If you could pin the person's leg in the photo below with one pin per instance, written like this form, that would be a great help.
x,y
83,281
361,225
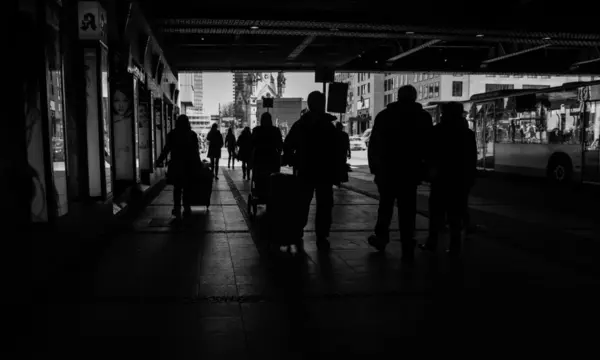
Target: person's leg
x,y
384,217
304,197
407,213
244,170
456,210
436,217
177,200
216,168
324,193
187,209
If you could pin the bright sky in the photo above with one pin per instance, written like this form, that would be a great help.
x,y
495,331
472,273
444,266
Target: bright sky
x,y
218,88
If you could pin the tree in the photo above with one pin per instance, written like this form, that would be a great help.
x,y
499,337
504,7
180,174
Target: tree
x,y
228,109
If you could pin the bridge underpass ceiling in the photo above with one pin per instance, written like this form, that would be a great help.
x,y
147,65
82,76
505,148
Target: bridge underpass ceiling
x,y
510,36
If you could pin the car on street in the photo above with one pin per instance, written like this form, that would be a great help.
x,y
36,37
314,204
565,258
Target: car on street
x,y
366,136
356,143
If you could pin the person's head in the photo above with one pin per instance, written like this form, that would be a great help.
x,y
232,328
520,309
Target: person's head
x,y
213,127
266,120
407,93
230,131
182,123
339,126
121,103
316,102
452,112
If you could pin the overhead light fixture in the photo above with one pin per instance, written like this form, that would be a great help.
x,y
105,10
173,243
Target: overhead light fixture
x,y
410,33
546,38
479,35
253,27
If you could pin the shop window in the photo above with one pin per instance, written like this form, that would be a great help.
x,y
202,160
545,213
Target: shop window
x,y
436,90
431,90
368,88
497,87
457,88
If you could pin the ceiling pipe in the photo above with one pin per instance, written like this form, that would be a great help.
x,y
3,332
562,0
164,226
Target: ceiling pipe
x,y
300,48
524,51
393,59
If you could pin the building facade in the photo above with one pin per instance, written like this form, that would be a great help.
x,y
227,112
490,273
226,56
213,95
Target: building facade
x,y
433,87
198,91
186,91
365,100
248,88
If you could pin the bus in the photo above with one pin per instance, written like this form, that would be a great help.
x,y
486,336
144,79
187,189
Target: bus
x,y
550,132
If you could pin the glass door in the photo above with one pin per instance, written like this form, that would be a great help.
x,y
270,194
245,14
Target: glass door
x,y
484,132
591,149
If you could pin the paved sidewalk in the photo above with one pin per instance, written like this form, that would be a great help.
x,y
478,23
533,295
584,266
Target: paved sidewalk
x,y
557,235
207,290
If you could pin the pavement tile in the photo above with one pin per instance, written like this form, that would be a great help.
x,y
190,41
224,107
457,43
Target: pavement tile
x,y
204,291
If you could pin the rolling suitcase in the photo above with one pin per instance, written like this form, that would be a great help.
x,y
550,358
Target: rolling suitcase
x,y
201,188
282,210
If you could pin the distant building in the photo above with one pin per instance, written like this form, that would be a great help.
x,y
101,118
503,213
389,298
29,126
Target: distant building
x,y
365,100
199,122
199,92
186,91
248,88
285,112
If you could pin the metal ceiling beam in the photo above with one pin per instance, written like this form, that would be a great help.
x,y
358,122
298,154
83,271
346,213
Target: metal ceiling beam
x,y
521,52
378,35
393,59
369,27
300,48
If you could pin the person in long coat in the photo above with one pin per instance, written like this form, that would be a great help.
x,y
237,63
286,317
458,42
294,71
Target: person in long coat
x,y
182,144
215,143
244,144
230,144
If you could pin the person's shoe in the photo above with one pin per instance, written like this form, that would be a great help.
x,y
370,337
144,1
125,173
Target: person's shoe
x,y
323,244
377,243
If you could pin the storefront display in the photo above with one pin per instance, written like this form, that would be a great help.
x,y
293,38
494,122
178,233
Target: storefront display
x,y
92,32
56,107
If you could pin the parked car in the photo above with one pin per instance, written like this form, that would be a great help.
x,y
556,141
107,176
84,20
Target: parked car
x,y
356,143
366,136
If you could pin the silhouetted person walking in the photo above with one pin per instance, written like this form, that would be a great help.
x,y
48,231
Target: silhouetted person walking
x,y
182,144
230,144
266,145
312,143
244,143
215,143
399,166
453,166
